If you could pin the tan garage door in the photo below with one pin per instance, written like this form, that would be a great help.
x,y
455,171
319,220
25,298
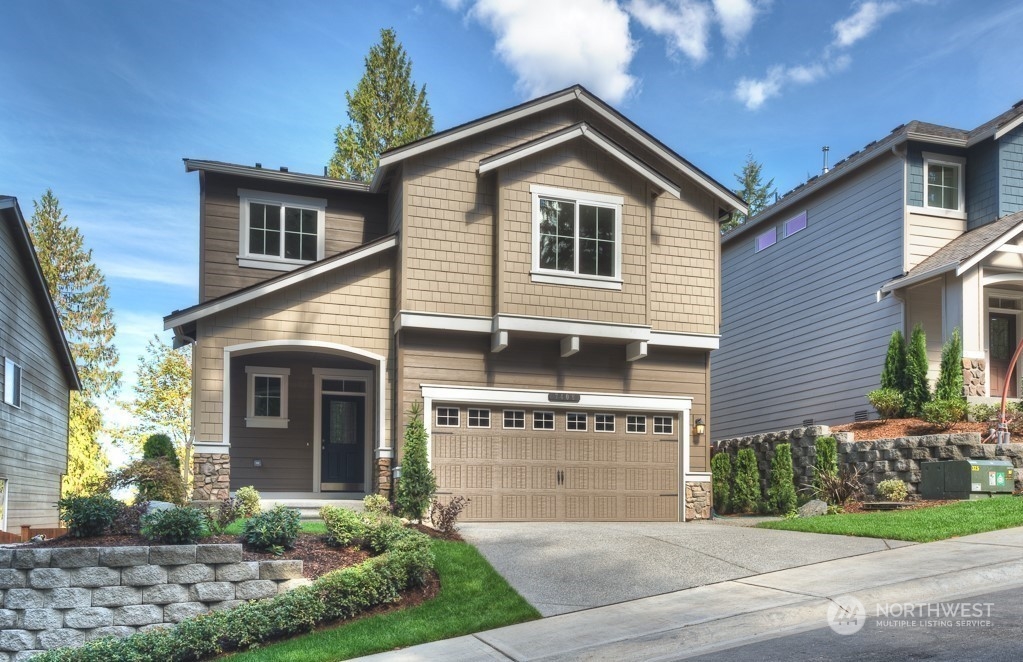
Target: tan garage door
x,y
592,465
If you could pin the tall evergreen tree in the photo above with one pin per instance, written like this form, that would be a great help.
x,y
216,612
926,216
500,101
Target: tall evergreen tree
x,y
385,111
893,375
755,193
81,296
417,484
916,390
950,376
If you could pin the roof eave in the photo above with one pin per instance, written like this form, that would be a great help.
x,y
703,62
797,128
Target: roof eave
x,y
192,165
906,281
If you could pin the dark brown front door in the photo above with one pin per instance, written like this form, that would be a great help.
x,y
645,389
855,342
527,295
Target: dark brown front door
x,y
1002,342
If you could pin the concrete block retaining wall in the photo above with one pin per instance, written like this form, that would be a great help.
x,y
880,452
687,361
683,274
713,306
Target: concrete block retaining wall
x,y
877,460
65,596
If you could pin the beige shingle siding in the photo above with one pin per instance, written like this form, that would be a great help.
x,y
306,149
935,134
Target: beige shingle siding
x,y
33,439
352,219
349,306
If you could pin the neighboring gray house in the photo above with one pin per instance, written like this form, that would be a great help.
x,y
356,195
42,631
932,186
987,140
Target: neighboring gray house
x,y
921,226
36,376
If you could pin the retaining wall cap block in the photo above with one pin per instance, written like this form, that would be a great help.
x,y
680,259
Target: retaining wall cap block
x,y
257,589
41,619
156,626
190,574
17,640
10,578
164,594
95,577
8,619
31,558
143,575
5,557
138,615
116,596
226,604
178,612
89,617
74,557
116,557
218,553
60,638
844,436
172,554
292,584
238,572
288,569
25,598
215,591
884,444
119,631
49,578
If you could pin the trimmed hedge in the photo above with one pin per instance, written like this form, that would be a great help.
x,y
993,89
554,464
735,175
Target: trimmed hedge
x,y
335,596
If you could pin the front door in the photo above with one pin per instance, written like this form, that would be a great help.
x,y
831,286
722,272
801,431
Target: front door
x,y
1002,342
344,443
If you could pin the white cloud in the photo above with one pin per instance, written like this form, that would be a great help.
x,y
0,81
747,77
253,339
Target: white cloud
x,y
685,24
540,42
865,20
150,271
736,18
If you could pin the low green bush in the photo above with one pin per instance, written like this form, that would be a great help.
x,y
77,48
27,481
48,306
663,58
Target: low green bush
x,y
888,402
384,532
781,494
721,481
274,530
88,516
344,526
377,503
175,526
892,490
746,495
248,501
983,413
944,413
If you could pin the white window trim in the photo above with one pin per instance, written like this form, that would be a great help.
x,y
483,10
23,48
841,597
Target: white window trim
x,y
554,424
785,234
468,418
640,416
253,421
504,420
773,231
458,418
671,422
586,421
945,160
613,422
258,261
12,369
556,277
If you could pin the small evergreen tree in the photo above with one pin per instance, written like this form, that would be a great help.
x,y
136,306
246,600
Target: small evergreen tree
x,y
781,494
160,445
754,192
894,373
825,464
916,390
417,484
746,486
721,477
950,377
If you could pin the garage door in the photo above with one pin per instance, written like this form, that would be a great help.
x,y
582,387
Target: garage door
x,y
525,464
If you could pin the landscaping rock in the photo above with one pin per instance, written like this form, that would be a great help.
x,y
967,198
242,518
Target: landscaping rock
x,y
156,506
813,508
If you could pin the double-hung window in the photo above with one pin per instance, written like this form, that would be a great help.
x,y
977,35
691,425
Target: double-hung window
x,y
577,238
943,183
266,397
280,231
12,383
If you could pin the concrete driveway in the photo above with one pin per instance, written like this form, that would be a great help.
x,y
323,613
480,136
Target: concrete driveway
x,y
564,567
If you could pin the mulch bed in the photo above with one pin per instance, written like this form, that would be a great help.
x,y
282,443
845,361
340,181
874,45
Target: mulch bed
x,y
908,427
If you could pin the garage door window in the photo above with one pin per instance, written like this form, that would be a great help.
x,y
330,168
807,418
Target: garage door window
x,y
514,419
575,421
447,417
543,420
604,422
479,418
664,425
635,424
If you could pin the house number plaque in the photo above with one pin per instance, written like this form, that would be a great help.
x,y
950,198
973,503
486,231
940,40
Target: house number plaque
x,y
563,397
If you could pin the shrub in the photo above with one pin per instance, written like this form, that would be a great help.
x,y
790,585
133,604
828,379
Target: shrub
x,y
175,526
950,376
825,464
836,488
444,516
384,531
892,490
417,484
781,494
128,522
160,445
248,501
916,391
156,480
220,516
746,485
88,516
944,413
376,503
983,413
274,530
887,401
893,375
344,527
721,477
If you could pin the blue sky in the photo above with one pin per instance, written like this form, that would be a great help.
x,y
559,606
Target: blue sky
x,y
100,100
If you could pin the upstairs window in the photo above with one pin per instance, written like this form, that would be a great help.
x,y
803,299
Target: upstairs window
x,y
943,182
12,383
576,238
794,225
766,239
280,231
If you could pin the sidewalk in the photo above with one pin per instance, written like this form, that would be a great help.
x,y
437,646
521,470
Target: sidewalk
x,y
716,616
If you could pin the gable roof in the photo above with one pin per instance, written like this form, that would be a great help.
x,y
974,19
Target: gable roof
x,y
180,318
11,213
963,252
914,130
282,175
576,93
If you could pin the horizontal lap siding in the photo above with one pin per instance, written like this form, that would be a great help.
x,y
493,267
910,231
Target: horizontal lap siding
x,y
33,439
929,233
802,333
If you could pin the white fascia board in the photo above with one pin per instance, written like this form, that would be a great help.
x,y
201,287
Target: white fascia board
x,y
937,140
989,249
275,175
698,477
208,447
900,283
688,340
565,327
442,322
1006,128
230,302
539,399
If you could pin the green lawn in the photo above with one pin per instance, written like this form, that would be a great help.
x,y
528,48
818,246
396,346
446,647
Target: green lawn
x,y
923,525
473,597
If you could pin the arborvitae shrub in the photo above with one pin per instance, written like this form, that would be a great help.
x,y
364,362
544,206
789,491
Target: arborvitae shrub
x,y
950,376
417,484
825,464
781,495
916,390
721,472
894,373
746,486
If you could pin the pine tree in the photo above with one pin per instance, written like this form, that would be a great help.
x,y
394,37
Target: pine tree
x,y
950,376
385,111
417,484
781,495
81,296
754,192
916,389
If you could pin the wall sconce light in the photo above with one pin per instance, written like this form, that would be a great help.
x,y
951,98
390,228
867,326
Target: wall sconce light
x,y
698,430
257,463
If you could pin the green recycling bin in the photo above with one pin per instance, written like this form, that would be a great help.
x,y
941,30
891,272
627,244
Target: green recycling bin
x,y
966,479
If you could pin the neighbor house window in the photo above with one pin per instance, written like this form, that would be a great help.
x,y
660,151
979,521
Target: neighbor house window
x,y
664,425
479,418
267,397
514,419
604,422
12,383
543,420
794,225
576,237
766,239
575,421
635,423
447,417
943,182
280,231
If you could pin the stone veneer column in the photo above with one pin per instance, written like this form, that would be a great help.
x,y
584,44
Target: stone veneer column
x,y
697,501
212,476
383,477
973,378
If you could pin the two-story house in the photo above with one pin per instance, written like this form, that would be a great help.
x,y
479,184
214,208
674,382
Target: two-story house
x,y
36,378
919,227
542,281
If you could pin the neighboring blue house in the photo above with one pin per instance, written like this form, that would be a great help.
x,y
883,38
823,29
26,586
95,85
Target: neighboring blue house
x,y
922,226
